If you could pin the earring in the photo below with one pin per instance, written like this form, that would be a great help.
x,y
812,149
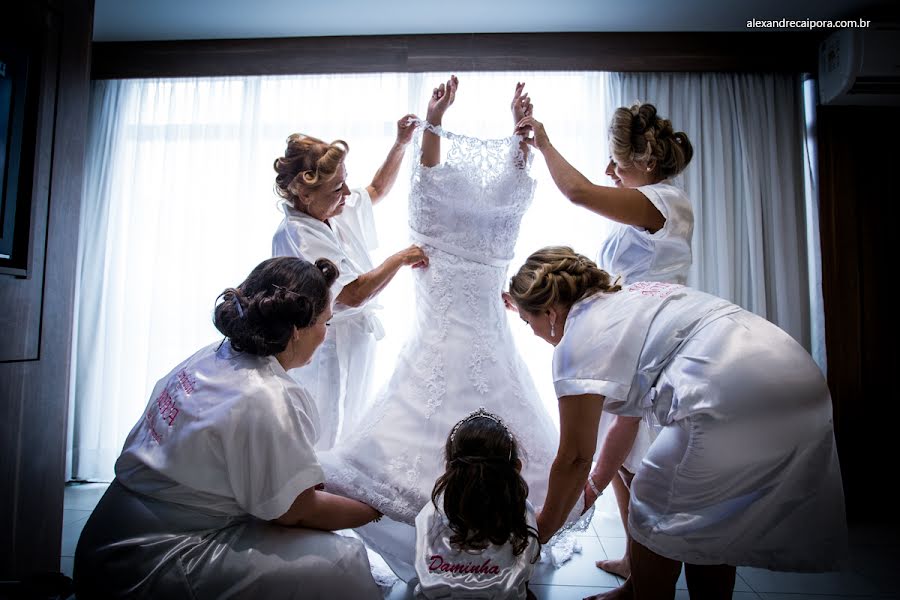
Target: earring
x,y
552,329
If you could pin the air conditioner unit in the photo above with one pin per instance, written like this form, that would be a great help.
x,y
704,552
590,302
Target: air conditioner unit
x,y
860,67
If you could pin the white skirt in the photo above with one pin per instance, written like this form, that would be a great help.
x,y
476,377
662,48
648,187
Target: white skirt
x,y
746,473
136,547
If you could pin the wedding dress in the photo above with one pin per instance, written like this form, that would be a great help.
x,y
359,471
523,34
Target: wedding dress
x,y
465,213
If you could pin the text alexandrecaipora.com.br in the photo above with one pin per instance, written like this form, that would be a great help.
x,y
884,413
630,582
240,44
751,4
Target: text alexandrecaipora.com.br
x,y
807,24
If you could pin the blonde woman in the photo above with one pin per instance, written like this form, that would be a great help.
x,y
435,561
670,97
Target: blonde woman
x,y
323,218
651,240
744,469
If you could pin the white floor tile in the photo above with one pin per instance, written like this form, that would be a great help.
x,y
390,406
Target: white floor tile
x,y
565,592
83,496
844,583
579,571
401,591
878,564
607,522
810,597
683,595
70,534
66,565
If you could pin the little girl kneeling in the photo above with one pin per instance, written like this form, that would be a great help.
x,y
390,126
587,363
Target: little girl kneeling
x,y
478,533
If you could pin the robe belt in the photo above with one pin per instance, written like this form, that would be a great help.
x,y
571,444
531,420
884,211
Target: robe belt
x,y
365,317
420,238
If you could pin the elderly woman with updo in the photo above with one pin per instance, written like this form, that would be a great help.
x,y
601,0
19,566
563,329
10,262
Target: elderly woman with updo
x,y
323,217
651,240
218,491
743,470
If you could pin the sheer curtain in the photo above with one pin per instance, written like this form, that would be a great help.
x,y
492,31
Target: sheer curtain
x,y
746,183
179,205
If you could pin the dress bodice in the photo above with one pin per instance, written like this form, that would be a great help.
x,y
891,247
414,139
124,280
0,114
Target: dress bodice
x,y
471,204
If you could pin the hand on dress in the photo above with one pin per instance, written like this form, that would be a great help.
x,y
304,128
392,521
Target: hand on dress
x,y
413,256
509,303
441,99
589,497
543,536
539,139
406,126
521,104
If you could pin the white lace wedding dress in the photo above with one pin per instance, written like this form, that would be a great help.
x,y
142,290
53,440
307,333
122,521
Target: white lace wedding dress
x,y
465,214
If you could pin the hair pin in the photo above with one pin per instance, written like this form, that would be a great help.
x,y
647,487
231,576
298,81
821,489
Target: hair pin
x,y
286,291
237,304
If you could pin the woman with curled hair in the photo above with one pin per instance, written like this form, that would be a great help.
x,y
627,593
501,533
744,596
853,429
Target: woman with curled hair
x,y
652,241
218,491
324,218
744,469
652,238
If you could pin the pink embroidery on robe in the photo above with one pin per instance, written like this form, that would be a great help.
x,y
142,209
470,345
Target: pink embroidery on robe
x,y
437,563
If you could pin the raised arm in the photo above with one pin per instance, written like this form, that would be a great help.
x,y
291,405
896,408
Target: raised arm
x,y
579,418
441,99
521,107
318,509
386,174
624,205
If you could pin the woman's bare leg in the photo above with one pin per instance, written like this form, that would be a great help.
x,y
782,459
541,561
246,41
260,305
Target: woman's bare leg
x,y
622,488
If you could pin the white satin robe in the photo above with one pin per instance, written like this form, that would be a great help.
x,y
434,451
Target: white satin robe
x,y
340,374
634,254
224,445
445,572
744,470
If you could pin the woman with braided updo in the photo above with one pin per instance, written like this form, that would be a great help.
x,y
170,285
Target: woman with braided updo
x,y
218,490
652,240
744,469
324,218
477,537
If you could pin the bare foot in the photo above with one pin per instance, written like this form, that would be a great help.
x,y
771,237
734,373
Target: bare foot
x,y
623,592
618,567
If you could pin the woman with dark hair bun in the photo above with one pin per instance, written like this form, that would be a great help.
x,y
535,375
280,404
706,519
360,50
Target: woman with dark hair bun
x,y
218,490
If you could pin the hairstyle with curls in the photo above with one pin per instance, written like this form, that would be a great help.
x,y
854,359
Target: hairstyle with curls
x,y
307,163
638,136
557,275
484,493
281,293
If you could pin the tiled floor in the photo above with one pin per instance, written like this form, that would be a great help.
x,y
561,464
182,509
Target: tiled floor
x,y
874,570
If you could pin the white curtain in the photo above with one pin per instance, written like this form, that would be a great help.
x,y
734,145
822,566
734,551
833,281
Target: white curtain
x,y
179,205
746,182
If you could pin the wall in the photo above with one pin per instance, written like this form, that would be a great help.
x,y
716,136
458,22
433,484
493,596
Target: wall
x,y
36,321
858,218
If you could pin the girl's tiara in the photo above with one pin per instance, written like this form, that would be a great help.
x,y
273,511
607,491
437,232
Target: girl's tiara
x,y
481,413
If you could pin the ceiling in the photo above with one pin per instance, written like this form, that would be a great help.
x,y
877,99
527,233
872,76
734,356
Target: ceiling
x,y
133,20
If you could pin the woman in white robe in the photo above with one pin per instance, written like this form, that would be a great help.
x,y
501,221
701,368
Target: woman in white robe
x,y
323,218
651,239
218,489
744,469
